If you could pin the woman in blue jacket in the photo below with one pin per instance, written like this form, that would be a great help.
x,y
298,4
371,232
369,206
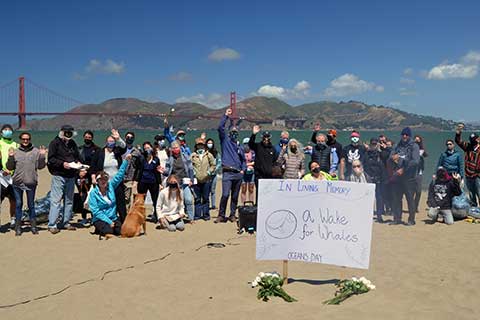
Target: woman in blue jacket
x,y
452,160
102,202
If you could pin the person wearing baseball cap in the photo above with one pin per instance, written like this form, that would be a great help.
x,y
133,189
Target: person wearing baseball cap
x,y
62,152
375,169
472,163
180,137
408,152
333,143
354,151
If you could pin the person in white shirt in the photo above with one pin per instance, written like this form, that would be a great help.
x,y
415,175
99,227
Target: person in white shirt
x,y
170,206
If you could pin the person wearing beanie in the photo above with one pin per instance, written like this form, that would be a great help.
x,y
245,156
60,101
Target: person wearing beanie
x,y
407,153
354,151
6,144
471,148
62,152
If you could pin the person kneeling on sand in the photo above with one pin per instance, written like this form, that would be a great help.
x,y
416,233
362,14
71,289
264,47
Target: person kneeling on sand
x,y
170,206
440,194
102,202
316,173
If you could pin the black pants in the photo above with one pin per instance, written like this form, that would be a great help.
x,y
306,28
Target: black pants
x,y
418,191
102,228
120,199
154,189
404,186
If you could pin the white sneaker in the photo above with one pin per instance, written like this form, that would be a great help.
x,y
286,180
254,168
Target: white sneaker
x,y
12,223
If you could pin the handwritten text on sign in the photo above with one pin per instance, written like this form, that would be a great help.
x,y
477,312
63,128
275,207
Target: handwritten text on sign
x,y
315,221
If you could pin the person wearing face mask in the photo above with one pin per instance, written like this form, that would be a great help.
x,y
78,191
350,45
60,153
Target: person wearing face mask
x,y
203,167
180,165
247,191
218,170
7,143
292,159
421,168
284,138
180,137
62,152
354,151
161,149
451,160
375,168
26,160
316,174
471,149
331,141
103,201
440,194
128,180
148,176
325,156
109,160
233,168
407,154
88,149
265,156
171,207
358,174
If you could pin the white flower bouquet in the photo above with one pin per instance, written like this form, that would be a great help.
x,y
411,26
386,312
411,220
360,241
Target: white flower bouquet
x,y
270,285
349,287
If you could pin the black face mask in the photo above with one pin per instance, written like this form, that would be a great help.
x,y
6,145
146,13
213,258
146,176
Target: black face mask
x,y
293,149
88,142
129,141
172,185
316,170
473,141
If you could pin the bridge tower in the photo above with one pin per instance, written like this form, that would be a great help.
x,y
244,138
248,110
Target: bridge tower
x,y
22,117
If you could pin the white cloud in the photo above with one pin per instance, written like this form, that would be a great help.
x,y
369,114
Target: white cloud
x,y
407,92
350,84
181,76
408,71
214,100
223,54
407,81
451,71
467,68
98,67
395,104
299,91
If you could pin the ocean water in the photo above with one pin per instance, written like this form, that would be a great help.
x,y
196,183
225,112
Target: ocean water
x,y
434,141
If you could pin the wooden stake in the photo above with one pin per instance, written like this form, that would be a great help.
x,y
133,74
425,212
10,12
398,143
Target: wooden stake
x,y
285,272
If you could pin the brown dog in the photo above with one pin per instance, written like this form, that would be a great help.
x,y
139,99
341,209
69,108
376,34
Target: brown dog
x,y
135,219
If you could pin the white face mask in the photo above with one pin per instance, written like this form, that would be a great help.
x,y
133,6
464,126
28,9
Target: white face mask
x,y
355,139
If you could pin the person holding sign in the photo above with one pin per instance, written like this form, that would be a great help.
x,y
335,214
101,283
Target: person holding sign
x,y
316,173
233,168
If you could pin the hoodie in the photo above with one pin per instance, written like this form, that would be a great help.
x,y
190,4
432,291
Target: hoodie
x,y
410,154
441,192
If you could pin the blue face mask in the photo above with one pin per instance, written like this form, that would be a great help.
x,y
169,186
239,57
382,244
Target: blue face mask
x,y
234,135
110,145
284,141
7,133
148,151
200,151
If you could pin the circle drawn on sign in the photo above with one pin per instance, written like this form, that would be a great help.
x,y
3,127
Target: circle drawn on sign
x,y
281,224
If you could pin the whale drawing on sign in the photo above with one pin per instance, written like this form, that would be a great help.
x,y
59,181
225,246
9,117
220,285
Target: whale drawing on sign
x,y
281,224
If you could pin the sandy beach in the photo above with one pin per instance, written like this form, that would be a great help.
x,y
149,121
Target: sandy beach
x,y
421,272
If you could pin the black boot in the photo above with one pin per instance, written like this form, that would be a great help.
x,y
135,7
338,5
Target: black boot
x,y
33,224
18,228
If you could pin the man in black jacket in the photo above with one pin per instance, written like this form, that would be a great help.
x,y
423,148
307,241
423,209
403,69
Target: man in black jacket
x,y
265,156
62,155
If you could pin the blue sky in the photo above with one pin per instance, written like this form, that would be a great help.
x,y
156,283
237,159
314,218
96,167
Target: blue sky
x,y
422,57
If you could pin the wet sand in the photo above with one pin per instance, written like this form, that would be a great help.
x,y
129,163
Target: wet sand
x,y
421,272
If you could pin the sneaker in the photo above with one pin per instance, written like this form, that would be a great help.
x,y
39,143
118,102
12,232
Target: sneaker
x,y
84,222
220,219
53,230
395,222
411,223
69,227
12,223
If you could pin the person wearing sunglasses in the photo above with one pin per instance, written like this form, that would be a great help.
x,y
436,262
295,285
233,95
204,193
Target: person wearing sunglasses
x,y
26,160
452,160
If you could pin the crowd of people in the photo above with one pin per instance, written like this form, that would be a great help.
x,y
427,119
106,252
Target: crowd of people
x,y
182,182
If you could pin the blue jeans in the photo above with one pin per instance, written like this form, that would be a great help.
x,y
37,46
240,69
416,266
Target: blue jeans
x,y
62,188
473,185
176,225
18,192
380,205
231,183
188,201
212,192
202,203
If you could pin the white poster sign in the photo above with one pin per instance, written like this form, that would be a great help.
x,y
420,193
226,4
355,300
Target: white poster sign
x,y
315,221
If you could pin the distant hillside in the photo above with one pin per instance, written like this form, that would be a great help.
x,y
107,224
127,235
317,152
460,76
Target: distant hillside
x,y
341,115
